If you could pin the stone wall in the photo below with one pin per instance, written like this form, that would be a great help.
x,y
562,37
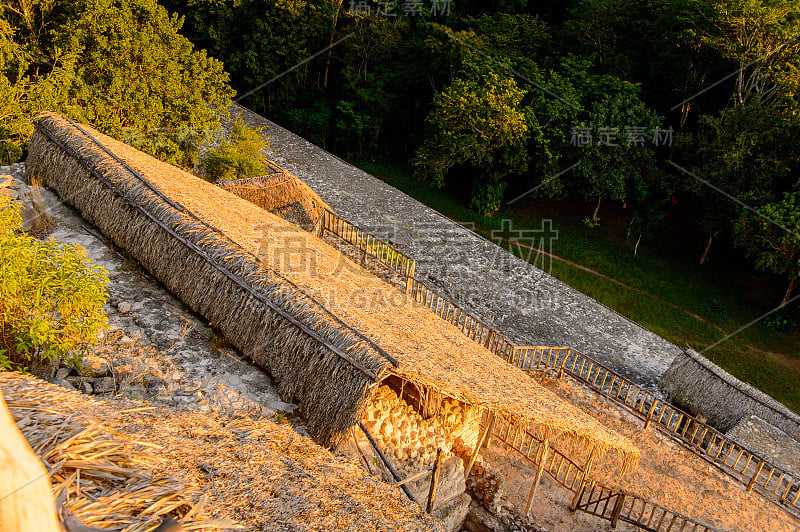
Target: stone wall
x,y
702,388
757,434
523,301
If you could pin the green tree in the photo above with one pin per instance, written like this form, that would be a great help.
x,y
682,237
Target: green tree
x,y
774,249
746,151
619,163
120,65
761,39
240,155
51,296
480,124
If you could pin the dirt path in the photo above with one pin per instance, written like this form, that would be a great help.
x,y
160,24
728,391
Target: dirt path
x,y
668,474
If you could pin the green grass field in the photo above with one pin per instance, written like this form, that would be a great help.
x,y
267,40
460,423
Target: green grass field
x,y
711,302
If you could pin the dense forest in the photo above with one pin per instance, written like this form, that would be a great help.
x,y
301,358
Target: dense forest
x,y
663,109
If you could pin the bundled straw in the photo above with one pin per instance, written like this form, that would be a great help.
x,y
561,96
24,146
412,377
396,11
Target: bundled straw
x,y
105,480
282,194
324,328
138,464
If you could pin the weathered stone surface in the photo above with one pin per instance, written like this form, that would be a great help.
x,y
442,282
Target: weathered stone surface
x,y
6,180
527,304
62,373
94,366
9,192
452,514
65,384
451,483
86,387
136,391
770,441
44,369
30,218
124,307
152,382
103,385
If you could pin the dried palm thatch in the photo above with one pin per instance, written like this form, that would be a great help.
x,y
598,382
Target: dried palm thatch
x,y
326,329
122,465
101,478
282,194
703,388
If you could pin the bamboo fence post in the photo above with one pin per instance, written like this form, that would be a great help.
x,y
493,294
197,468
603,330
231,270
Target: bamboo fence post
x,y
650,414
561,369
618,509
489,434
755,476
582,483
545,448
437,467
478,446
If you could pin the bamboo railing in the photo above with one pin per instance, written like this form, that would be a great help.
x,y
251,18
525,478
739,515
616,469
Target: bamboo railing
x,y
614,506
368,244
589,496
747,467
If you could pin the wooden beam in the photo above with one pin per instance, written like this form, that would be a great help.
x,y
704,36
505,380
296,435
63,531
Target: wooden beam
x,y
618,509
385,461
582,483
544,449
755,476
412,478
489,434
437,467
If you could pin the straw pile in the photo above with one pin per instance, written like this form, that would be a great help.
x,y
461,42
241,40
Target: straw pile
x,y
282,194
104,479
413,441
122,466
326,329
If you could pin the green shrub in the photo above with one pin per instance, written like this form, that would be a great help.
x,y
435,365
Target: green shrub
x,y
241,155
778,322
51,296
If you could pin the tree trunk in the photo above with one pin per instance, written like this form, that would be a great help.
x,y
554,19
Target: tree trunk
x,y
706,251
636,247
789,289
330,51
597,209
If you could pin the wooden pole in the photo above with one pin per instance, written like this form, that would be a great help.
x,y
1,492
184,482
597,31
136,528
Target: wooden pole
x,y
412,478
755,476
481,439
437,467
26,502
545,448
410,277
582,483
617,509
489,434
387,464
650,414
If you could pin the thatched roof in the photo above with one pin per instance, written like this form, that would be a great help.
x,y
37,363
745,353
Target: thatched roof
x,y
700,386
326,329
280,193
125,465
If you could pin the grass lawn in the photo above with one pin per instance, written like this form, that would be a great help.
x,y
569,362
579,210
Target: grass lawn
x,y
662,287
